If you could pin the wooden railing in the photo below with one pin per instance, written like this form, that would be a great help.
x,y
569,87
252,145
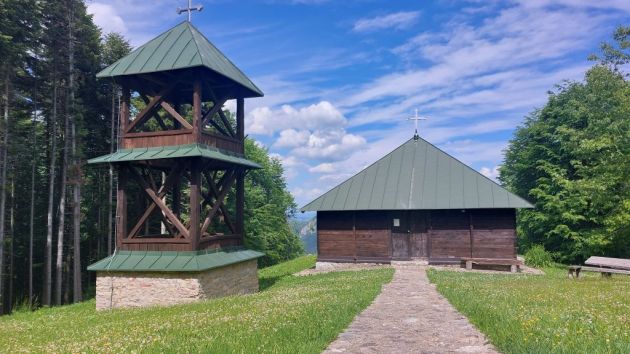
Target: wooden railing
x,y
181,137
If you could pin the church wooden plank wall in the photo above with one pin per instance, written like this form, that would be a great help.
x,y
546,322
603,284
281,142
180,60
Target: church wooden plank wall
x,y
373,236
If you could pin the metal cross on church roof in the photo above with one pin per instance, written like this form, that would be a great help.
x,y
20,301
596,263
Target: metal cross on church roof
x,y
189,9
416,118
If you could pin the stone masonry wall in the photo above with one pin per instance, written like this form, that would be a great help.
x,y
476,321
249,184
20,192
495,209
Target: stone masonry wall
x,y
140,289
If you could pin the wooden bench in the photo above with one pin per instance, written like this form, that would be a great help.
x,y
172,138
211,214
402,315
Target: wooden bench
x,y
514,264
604,265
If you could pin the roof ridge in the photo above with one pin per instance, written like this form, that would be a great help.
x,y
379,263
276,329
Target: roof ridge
x,y
190,27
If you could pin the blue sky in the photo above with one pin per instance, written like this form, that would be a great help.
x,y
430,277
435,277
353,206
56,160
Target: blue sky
x,y
341,77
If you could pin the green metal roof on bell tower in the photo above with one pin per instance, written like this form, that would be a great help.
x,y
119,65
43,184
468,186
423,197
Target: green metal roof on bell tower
x,y
181,47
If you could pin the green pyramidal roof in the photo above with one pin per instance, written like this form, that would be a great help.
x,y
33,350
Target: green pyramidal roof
x,y
417,175
183,46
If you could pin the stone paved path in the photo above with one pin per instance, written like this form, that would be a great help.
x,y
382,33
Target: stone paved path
x,y
410,316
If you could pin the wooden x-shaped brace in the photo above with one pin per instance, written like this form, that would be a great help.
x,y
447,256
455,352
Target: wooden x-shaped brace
x,y
151,107
209,115
156,197
225,184
216,108
213,192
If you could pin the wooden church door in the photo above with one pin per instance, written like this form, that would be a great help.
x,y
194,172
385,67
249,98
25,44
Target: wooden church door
x,y
419,236
400,235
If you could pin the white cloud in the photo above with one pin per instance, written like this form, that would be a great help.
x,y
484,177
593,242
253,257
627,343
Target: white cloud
x,y
292,138
107,18
471,151
398,20
622,5
138,21
292,166
325,167
492,173
492,67
329,145
264,120
306,194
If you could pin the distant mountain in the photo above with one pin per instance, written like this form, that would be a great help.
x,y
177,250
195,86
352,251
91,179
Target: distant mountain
x,y
307,230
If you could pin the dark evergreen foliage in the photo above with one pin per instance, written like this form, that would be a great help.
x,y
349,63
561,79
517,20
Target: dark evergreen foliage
x,y
572,159
35,71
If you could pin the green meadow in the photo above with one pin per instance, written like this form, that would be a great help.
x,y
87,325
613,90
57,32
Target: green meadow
x,y
543,313
289,315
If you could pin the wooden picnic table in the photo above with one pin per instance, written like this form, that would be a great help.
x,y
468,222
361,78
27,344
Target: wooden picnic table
x,y
605,265
514,264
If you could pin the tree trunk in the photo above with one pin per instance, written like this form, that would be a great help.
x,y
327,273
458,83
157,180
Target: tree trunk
x,y
51,196
12,233
32,211
62,214
3,190
76,195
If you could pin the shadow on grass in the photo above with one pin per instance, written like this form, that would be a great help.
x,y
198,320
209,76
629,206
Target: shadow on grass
x,y
267,282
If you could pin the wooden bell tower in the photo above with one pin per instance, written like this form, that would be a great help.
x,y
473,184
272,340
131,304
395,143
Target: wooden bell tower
x,y
180,161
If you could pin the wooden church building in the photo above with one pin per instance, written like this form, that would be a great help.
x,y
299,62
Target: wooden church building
x,y
417,202
181,168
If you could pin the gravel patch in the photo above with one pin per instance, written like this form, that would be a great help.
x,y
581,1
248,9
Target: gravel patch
x,y
326,267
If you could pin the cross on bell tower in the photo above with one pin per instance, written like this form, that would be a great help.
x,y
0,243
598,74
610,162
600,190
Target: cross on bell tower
x,y
416,118
189,9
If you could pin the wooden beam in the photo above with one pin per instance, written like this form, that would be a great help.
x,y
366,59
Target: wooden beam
x,y
240,119
218,109
172,176
224,190
142,116
197,108
207,117
217,127
160,133
158,201
167,107
195,205
124,113
154,113
226,122
121,205
214,192
240,203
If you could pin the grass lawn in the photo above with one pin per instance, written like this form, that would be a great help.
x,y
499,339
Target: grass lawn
x,y
289,315
543,314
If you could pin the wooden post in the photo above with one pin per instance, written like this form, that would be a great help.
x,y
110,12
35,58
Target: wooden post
x,y
195,203
121,206
124,114
240,204
240,121
197,108
240,176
